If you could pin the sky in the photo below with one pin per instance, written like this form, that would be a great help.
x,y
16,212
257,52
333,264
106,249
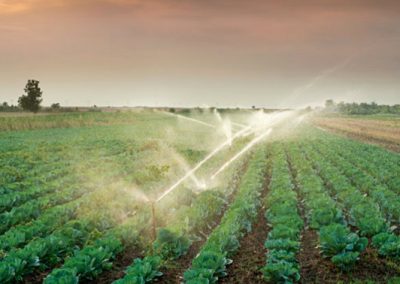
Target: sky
x,y
286,53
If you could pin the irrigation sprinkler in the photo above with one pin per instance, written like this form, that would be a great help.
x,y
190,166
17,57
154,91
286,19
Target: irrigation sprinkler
x,y
153,220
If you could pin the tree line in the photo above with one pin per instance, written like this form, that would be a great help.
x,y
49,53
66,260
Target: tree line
x,y
361,108
30,101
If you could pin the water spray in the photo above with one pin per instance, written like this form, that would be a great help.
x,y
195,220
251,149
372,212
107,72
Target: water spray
x,y
250,145
239,124
208,157
260,123
200,184
190,119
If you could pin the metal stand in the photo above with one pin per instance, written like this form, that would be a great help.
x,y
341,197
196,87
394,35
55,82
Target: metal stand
x,y
154,220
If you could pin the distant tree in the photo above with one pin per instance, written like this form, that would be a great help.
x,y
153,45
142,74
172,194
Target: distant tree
x,y
329,104
55,106
4,106
8,108
366,108
31,101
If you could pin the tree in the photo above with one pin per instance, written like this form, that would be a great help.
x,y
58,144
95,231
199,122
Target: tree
x,y
329,104
308,109
31,101
55,106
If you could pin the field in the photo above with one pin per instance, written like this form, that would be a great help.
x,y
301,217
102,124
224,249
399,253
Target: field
x,y
202,197
378,129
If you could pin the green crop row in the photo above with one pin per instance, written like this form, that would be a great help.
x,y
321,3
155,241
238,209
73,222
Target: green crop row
x,y
336,241
211,262
171,242
93,259
22,172
365,215
33,209
54,217
18,197
282,215
388,200
363,212
381,164
45,224
49,250
43,252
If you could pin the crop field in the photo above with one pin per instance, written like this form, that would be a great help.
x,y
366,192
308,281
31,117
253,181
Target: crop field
x,y
378,129
151,196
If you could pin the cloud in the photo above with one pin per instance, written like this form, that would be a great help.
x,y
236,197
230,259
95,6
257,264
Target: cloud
x,y
13,7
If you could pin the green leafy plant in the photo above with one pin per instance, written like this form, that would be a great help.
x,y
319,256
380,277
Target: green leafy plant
x,y
387,244
142,271
341,245
281,272
283,240
345,260
208,265
170,245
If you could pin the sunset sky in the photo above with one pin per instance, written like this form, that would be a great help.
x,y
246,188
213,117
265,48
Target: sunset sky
x,y
201,52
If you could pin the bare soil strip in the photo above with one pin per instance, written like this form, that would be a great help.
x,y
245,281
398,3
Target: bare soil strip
x,y
250,258
174,272
387,139
37,277
315,269
122,261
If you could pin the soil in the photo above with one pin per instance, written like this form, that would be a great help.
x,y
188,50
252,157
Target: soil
x,y
315,269
174,272
122,261
250,258
37,277
392,146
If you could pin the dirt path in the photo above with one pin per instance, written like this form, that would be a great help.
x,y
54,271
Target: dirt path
x,y
251,255
122,261
315,269
362,136
173,274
